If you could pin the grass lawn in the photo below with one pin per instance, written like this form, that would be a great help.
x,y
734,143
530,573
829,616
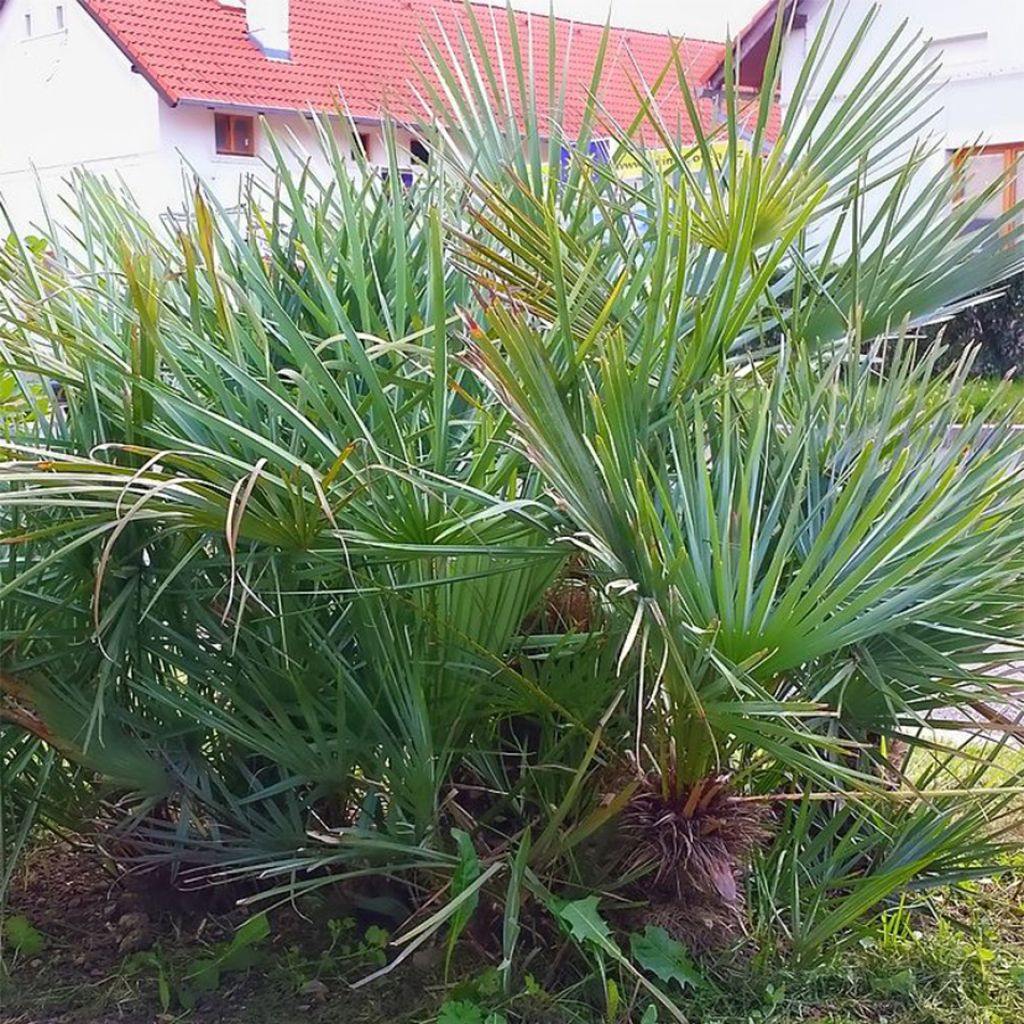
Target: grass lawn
x,y
977,393
99,953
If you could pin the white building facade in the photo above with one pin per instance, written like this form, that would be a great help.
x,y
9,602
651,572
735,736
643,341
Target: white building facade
x,y
70,98
977,123
156,93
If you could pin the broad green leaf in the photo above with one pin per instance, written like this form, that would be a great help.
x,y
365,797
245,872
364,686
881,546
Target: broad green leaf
x,y
460,1011
203,975
611,999
902,983
26,939
254,929
666,958
241,953
586,925
467,871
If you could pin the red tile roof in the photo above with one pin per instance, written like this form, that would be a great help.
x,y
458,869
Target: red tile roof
x,y
198,51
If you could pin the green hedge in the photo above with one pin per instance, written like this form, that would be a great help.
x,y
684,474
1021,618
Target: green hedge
x,y
998,326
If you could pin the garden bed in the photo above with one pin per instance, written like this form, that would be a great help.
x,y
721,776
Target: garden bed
x,y
524,582
957,960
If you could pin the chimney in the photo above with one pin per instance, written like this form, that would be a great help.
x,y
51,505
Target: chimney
x,y
267,21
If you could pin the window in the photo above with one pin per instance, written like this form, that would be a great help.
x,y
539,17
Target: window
x,y
235,134
406,177
419,152
60,17
361,146
979,169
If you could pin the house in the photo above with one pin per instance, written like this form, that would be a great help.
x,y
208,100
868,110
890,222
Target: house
x,y
978,109
150,92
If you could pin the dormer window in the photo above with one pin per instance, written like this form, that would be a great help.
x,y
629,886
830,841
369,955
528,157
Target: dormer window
x,y
235,134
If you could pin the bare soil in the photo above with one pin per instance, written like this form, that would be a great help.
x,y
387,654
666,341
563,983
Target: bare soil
x,y
109,939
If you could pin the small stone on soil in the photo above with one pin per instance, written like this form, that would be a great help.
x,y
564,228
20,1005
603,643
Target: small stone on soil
x,y
316,988
135,942
132,922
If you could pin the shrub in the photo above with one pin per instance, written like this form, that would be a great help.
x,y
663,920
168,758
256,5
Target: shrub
x,y
527,533
996,328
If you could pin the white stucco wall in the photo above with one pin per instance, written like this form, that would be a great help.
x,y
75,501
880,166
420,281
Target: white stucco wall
x,y
69,98
982,48
187,142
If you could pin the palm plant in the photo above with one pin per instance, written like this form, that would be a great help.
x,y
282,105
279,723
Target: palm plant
x,y
685,370
281,428
528,519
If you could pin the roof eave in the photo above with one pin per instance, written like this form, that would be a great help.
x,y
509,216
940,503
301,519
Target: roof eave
x,y
212,102
258,109
758,30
